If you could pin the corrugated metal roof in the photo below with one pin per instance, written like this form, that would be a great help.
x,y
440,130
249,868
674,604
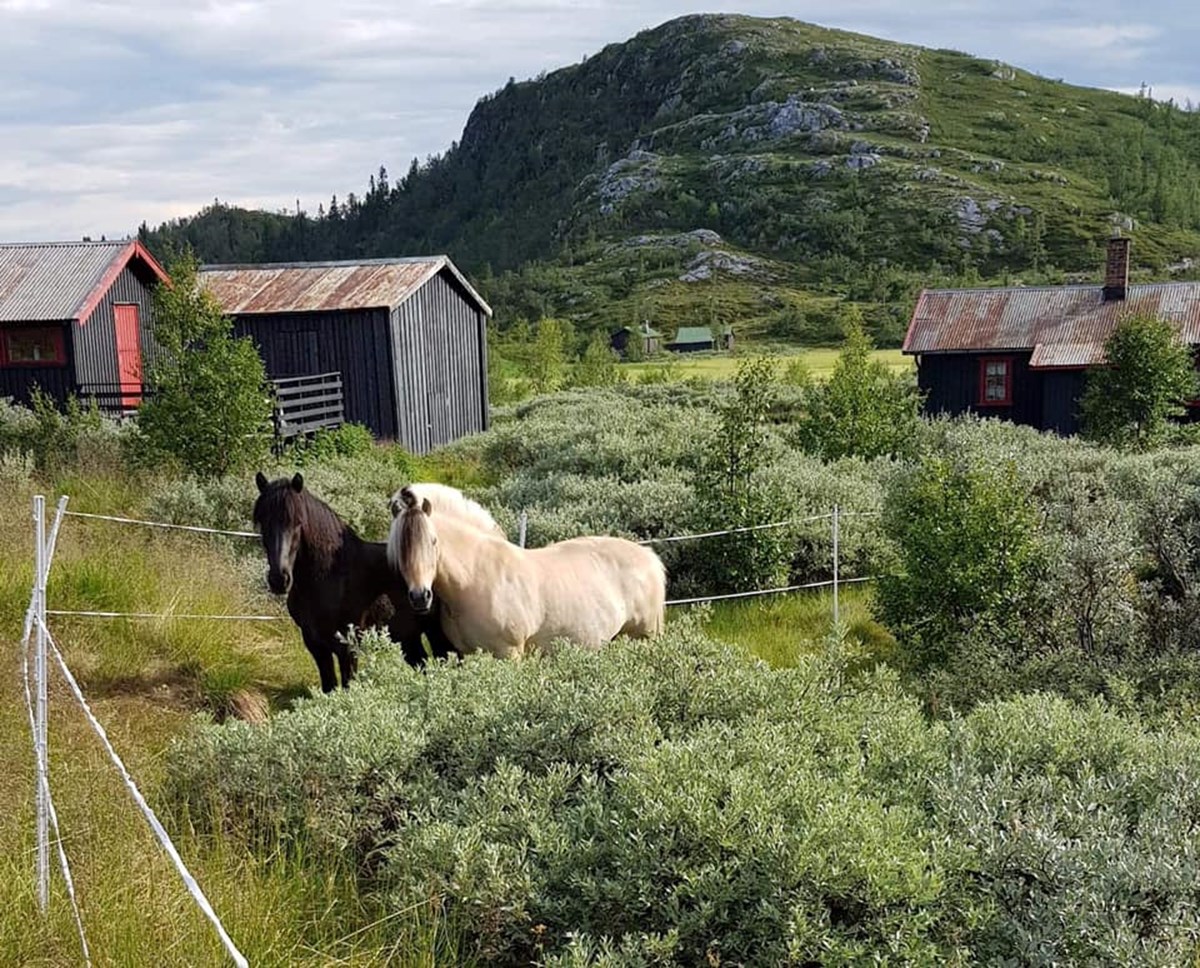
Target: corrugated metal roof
x,y
1063,325
304,287
1067,354
53,280
694,334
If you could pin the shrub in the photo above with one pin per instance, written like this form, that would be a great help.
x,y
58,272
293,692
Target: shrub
x,y
209,408
75,436
732,490
968,557
1148,376
863,410
348,440
598,365
681,804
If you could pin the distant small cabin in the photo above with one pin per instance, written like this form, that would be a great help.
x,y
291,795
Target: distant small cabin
x,y
693,339
696,339
1023,353
408,336
651,339
75,318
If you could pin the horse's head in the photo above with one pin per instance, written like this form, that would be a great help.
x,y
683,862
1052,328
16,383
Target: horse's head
x,y
280,514
413,547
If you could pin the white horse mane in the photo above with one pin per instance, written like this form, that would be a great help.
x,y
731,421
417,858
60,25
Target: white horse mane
x,y
449,500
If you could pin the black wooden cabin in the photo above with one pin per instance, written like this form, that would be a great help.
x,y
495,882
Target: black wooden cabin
x,y
1022,353
409,337
75,318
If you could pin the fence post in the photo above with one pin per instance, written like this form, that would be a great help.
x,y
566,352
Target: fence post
x,y
40,711
836,536
522,524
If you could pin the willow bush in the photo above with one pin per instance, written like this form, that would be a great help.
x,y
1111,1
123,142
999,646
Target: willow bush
x,y
681,804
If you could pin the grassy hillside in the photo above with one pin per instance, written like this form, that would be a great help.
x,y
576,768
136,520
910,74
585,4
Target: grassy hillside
x,y
747,171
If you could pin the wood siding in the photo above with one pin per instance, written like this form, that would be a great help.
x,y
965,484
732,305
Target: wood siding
x,y
439,349
1062,393
354,343
950,383
18,382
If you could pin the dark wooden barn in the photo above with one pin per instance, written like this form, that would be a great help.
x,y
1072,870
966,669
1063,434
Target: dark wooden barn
x,y
409,337
75,318
1023,353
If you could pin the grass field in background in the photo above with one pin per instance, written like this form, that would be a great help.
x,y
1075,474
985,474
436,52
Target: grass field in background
x,y
819,363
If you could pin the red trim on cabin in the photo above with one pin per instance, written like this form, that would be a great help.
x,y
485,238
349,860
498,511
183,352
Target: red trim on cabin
x,y
56,338
1008,381
115,268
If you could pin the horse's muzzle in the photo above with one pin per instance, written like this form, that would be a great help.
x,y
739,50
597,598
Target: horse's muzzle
x,y
421,600
280,582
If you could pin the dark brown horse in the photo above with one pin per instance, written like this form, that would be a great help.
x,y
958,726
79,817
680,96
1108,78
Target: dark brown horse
x,y
334,580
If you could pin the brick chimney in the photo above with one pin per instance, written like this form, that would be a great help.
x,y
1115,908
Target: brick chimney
x,y
1116,269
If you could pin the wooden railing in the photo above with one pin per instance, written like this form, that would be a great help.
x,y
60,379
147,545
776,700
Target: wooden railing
x,y
304,404
114,399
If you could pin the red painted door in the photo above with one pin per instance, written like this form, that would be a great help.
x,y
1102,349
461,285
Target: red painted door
x,y
129,354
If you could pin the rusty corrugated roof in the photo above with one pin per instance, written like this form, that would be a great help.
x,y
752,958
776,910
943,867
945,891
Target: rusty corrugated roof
x,y
303,287
50,281
1063,325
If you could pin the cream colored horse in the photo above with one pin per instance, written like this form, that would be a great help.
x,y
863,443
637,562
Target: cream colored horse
x,y
502,599
449,500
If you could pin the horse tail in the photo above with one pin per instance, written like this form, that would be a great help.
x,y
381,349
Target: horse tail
x,y
656,619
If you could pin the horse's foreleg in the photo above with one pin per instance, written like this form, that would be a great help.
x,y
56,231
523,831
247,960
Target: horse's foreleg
x,y
323,657
324,660
347,663
439,643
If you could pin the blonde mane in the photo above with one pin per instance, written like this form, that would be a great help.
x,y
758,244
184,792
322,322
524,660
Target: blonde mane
x,y
445,500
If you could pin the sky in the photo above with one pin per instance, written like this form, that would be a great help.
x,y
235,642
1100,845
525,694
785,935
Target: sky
x,y
117,111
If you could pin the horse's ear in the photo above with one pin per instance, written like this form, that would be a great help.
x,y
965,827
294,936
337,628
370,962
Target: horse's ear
x,y
298,483
408,496
426,506
261,480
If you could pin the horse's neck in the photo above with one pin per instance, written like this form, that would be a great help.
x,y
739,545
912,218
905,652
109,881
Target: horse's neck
x,y
463,551
318,556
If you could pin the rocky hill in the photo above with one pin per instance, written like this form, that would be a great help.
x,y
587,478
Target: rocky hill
x,y
759,172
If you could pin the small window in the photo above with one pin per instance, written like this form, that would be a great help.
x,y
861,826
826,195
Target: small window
x,y
43,346
995,382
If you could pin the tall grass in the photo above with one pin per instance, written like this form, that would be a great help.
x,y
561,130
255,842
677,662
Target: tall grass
x,y
145,680
782,629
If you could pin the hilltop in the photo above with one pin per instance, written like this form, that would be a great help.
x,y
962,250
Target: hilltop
x,y
733,169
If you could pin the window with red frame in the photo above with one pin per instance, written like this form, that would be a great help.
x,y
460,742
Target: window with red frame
x,y
32,346
995,381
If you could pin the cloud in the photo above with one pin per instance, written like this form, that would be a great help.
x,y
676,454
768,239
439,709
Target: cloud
x,y
117,111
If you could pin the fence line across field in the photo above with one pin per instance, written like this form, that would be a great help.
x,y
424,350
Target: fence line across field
x,y
37,729
165,615
156,826
767,591
162,524
47,815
